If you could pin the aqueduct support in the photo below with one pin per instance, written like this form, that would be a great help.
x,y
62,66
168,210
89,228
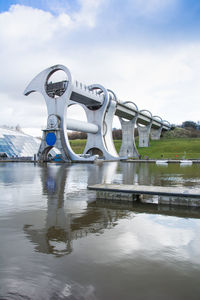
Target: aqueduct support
x,y
144,132
128,147
156,132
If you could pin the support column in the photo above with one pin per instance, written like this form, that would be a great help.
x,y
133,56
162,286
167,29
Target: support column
x,y
128,147
156,133
144,132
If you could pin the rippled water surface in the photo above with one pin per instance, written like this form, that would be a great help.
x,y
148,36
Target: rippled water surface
x,y
58,242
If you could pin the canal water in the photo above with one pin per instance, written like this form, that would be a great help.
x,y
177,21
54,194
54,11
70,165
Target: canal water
x,y
58,242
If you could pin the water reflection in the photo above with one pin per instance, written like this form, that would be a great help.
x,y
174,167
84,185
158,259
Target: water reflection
x,y
58,242
10,174
63,225
67,219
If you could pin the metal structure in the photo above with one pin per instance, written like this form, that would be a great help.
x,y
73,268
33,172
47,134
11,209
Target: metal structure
x,y
100,105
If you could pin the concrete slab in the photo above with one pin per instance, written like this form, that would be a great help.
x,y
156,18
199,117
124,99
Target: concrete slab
x,y
148,190
176,196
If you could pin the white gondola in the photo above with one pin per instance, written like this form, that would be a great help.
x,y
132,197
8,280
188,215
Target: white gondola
x,y
185,162
162,162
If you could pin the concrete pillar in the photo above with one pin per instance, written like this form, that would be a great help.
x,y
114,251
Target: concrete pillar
x,y
128,147
156,133
144,133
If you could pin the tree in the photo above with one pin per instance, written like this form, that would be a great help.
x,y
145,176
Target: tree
x,y
189,124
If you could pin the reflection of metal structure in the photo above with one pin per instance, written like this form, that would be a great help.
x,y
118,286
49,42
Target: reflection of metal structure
x,y
100,106
63,225
65,219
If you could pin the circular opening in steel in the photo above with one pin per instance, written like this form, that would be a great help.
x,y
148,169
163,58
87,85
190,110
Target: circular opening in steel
x,y
94,107
55,155
99,94
117,133
95,151
76,136
56,84
141,125
132,106
147,114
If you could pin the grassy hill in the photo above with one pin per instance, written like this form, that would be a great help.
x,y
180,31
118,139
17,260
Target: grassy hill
x,y
176,144
177,148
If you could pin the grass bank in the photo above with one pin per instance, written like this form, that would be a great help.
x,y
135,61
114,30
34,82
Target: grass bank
x,y
176,148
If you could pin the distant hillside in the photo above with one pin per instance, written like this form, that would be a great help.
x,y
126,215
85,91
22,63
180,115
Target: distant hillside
x,y
179,132
173,148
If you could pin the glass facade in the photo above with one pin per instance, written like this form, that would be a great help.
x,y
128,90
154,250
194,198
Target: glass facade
x,y
16,144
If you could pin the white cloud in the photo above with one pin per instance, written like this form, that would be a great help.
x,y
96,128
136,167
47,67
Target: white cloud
x,y
163,79
88,12
57,6
151,7
25,25
149,235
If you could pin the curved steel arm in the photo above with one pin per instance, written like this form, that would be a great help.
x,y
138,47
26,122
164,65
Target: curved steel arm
x,y
114,97
143,110
166,122
38,83
157,117
131,102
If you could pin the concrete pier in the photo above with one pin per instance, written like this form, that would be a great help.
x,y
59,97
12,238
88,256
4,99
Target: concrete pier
x,y
128,147
155,134
144,131
167,195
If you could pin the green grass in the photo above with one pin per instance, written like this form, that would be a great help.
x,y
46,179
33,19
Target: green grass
x,y
78,145
176,148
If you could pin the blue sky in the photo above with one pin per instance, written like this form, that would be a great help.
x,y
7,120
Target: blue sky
x,y
47,5
176,17
145,50
133,20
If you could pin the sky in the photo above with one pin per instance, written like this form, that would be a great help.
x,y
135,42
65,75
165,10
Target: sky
x,y
146,51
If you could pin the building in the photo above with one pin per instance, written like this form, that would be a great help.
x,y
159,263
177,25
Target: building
x,y
15,144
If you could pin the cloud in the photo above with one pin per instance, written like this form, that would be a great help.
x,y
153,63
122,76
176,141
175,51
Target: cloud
x,y
148,8
88,12
160,77
25,25
162,80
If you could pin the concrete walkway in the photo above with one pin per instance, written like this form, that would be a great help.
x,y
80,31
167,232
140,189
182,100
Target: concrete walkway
x,y
166,195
